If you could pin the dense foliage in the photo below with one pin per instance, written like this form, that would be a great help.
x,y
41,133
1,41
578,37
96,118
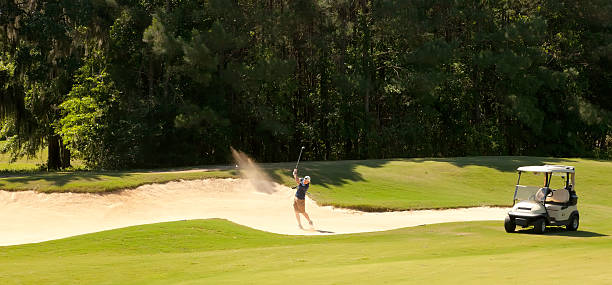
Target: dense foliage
x,y
124,83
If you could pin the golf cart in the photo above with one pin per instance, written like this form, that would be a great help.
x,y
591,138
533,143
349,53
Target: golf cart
x,y
544,206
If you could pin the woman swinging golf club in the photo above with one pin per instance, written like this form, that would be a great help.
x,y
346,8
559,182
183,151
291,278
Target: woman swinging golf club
x,y
299,201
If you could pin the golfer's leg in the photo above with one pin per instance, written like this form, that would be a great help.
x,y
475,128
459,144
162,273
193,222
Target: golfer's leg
x,y
297,216
297,212
307,218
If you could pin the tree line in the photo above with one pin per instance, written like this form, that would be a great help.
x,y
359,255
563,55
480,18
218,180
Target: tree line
x,y
149,83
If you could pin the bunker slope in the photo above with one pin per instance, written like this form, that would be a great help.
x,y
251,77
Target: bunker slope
x,y
29,217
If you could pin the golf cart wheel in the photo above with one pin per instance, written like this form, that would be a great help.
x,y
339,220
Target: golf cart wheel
x,y
539,226
573,224
509,225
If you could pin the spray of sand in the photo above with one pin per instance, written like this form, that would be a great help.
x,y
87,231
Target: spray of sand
x,y
253,173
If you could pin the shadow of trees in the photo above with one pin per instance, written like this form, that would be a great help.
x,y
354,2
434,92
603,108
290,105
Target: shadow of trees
x,y
336,173
323,173
59,179
500,163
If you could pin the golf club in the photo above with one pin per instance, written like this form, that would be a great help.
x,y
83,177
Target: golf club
x,y
298,162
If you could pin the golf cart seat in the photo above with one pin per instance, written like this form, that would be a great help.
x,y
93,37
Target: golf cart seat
x,y
559,196
540,195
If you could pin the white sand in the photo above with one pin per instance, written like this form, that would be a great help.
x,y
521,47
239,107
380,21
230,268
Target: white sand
x,y
28,217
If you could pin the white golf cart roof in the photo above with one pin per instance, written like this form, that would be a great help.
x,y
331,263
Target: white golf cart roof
x,y
547,169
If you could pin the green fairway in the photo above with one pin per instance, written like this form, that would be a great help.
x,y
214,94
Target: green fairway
x,y
217,251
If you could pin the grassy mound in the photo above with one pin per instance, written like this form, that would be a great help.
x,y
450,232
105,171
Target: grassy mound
x,y
404,184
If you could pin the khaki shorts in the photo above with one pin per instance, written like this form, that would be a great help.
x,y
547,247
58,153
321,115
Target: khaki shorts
x,y
299,205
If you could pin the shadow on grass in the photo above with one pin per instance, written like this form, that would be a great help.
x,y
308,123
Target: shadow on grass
x,y
59,179
323,173
560,231
96,181
578,233
500,163
336,173
19,172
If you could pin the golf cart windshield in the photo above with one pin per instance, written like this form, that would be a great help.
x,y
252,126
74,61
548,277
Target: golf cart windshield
x,y
530,193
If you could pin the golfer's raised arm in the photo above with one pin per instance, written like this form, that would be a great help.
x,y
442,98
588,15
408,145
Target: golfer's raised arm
x,y
297,180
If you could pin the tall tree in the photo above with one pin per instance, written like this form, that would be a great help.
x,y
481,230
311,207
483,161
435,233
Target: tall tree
x,y
43,41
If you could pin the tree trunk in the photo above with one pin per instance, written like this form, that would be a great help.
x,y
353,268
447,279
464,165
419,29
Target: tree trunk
x,y
64,155
53,157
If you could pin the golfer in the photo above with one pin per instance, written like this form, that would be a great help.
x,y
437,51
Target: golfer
x,y
299,201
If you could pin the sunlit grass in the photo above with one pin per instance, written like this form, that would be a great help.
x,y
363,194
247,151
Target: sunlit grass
x,y
30,164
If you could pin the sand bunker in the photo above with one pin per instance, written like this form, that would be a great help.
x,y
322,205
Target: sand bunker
x,y
253,201
27,217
